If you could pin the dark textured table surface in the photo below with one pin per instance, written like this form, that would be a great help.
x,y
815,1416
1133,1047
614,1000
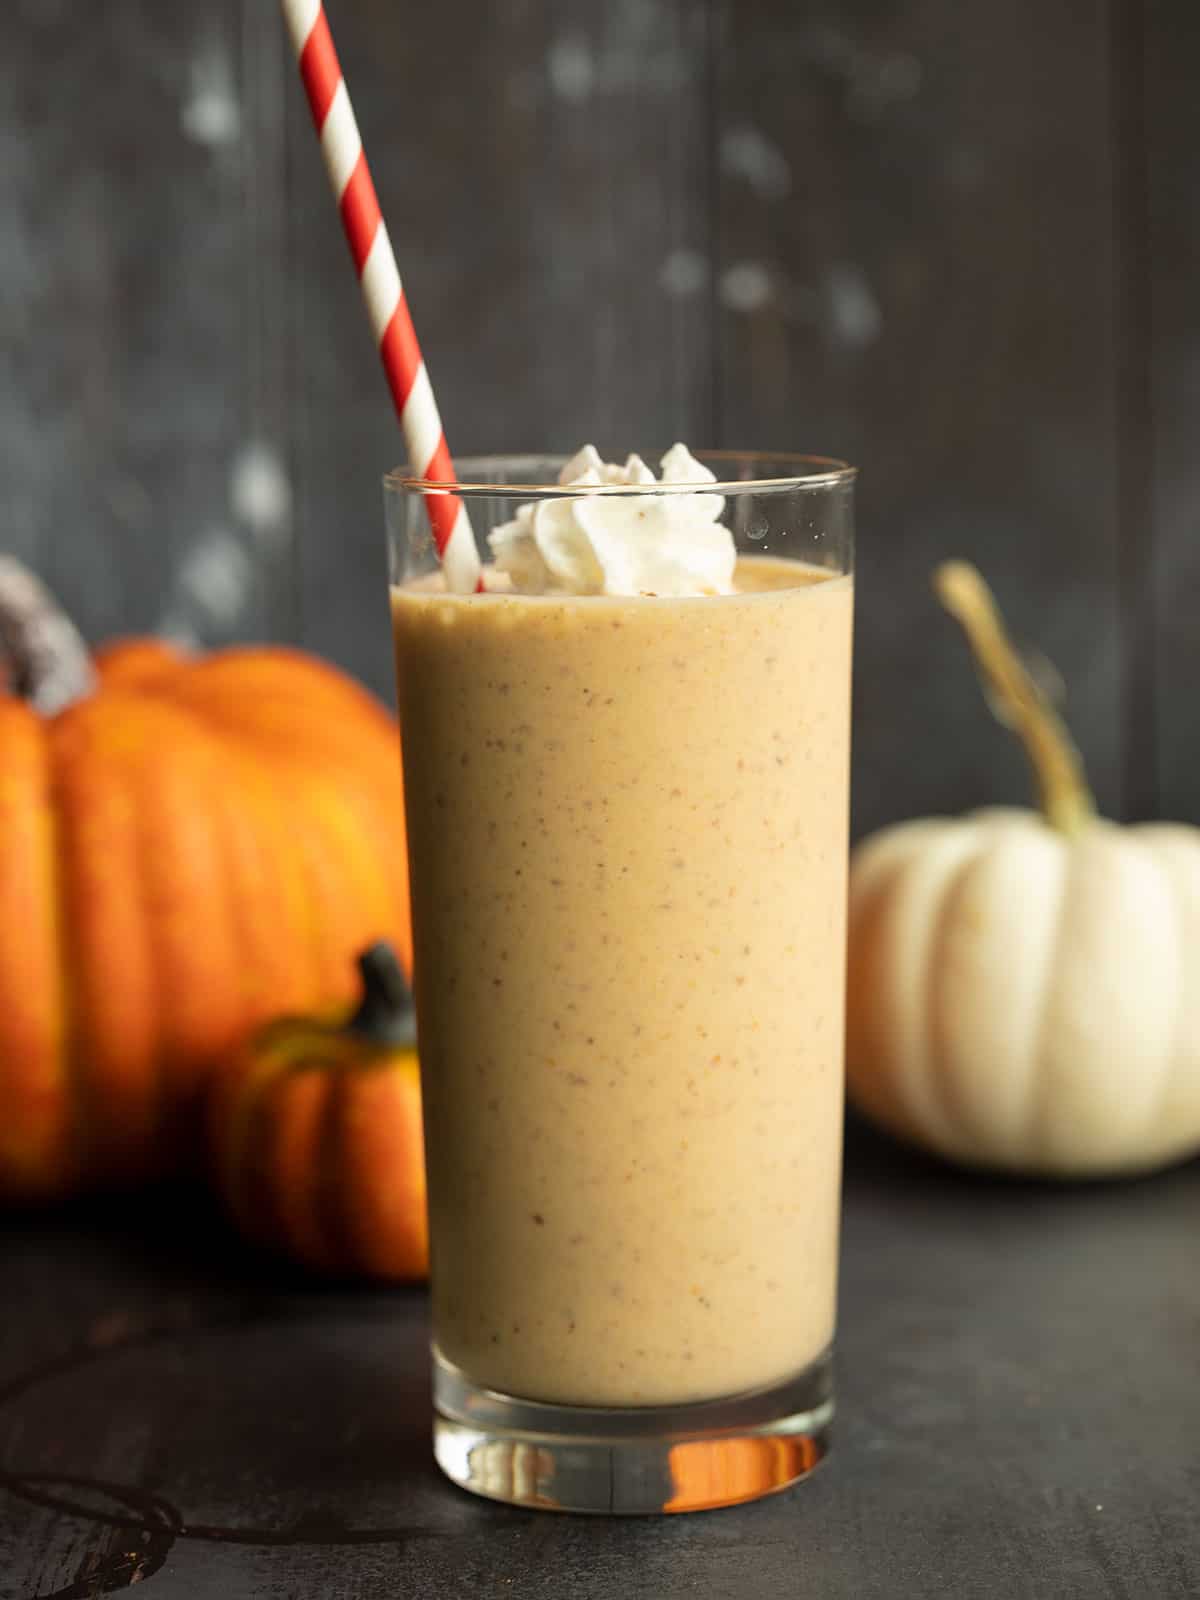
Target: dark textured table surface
x,y
1019,1378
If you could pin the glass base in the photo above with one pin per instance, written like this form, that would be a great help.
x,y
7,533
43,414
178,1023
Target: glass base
x,y
638,1460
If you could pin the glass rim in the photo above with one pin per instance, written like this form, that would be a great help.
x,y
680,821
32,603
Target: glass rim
x,y
820,472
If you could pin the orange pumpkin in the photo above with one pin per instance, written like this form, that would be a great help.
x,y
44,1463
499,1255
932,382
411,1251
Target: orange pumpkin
x,y
316,1132
191,846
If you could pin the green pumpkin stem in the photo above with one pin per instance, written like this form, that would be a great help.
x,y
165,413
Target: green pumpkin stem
x,y
385,1013
1063,794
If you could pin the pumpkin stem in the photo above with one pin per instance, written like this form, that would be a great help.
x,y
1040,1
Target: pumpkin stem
x,y
1063,794
42,654
385,1014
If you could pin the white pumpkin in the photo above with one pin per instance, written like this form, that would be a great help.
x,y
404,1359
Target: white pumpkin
x,y
1024,987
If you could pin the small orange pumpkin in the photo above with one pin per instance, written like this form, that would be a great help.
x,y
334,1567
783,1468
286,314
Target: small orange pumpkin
x,y
316,1130
188,845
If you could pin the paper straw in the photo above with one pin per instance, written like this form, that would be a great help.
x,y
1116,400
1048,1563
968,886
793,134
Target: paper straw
x,y
383,294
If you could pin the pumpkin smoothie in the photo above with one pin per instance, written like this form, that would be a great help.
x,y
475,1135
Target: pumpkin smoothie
x,y
628,832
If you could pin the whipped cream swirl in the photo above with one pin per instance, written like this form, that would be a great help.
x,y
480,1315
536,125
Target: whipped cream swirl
x,y
660,544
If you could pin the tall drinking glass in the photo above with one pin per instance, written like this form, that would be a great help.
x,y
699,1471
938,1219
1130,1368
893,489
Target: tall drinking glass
x,y
627,821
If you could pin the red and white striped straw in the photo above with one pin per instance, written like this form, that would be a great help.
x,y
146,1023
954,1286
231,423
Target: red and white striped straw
x,y
367,235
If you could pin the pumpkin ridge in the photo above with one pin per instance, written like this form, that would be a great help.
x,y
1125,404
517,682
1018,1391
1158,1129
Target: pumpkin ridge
x,y
302,976
360,850
74,1079
881,863
37,1146
941,1077
331,928
925,1087
184,1033
1042,1087
239,1103
231,836
143,855
910,911
264,855
383,1173
377,825
1176,940
1173,847
334,1148
105,963
291,1116
239,846
279,781
168,1061
206,1009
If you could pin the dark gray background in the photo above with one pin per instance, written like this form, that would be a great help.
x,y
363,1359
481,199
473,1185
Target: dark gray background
x,y
955,241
